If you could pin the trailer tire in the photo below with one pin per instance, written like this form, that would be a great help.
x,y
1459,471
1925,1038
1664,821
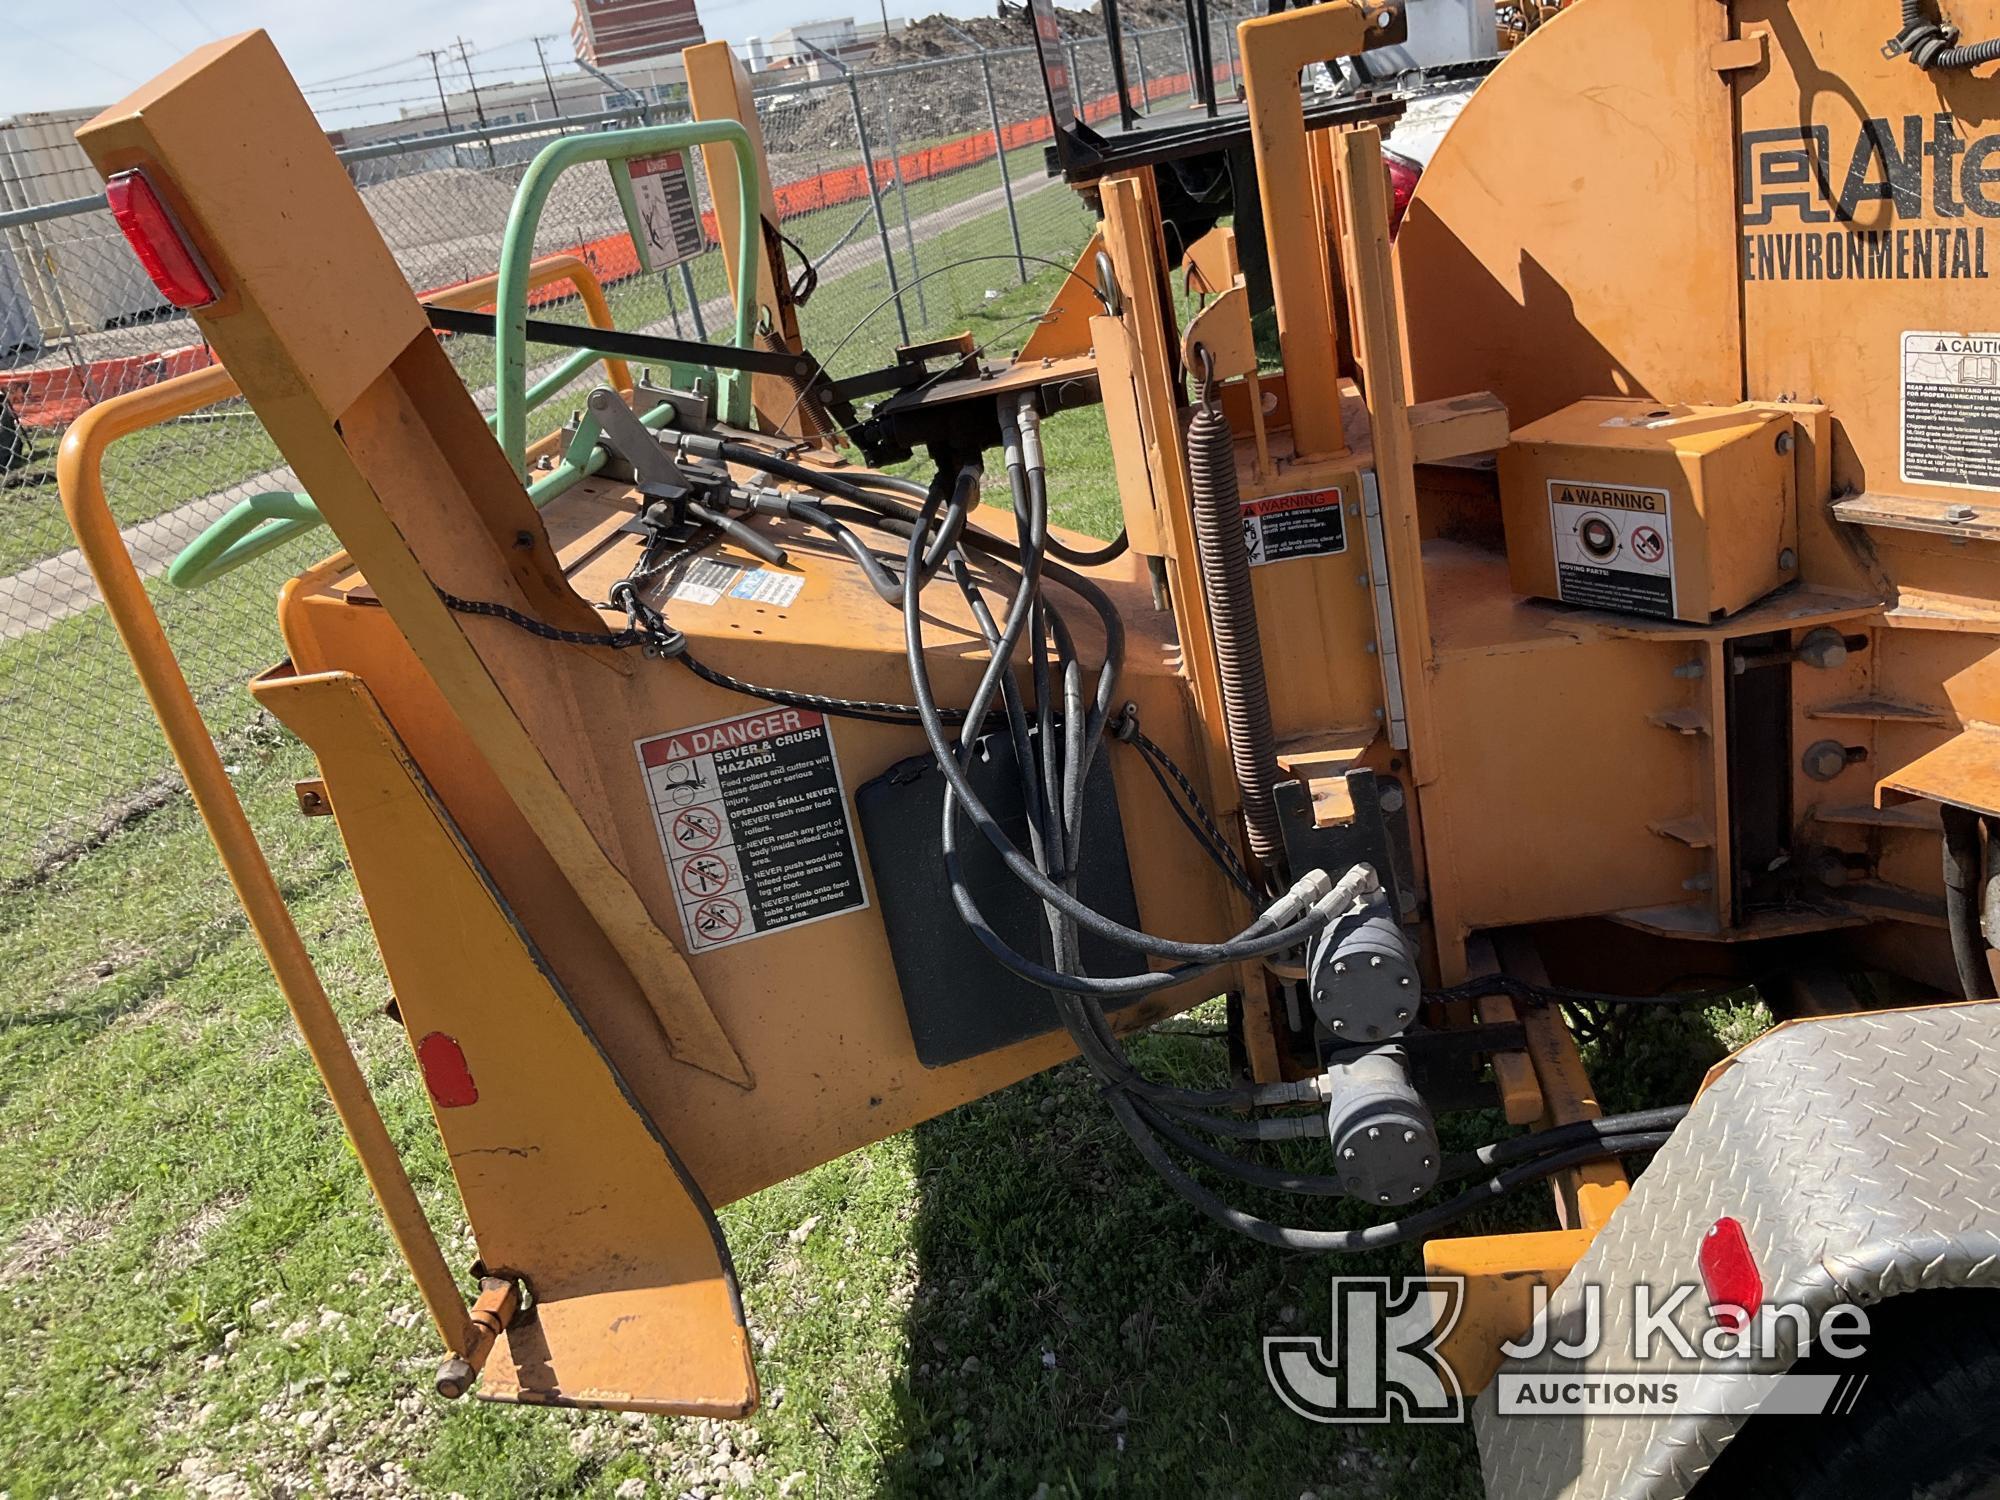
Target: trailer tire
x,y
1922,1428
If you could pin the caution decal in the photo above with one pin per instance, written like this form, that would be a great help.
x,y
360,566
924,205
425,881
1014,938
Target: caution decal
x,y
1951,409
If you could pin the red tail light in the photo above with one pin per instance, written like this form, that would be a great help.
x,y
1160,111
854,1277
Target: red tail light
x,y
1403,175
1729,1271
157,238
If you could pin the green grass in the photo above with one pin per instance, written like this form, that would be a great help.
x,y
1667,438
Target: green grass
x,y
194,1283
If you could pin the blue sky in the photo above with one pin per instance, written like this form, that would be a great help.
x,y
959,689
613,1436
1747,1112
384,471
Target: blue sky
x,y
363,55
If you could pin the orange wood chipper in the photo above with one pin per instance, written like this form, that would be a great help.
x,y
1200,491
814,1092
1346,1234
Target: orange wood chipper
x,y
1592,586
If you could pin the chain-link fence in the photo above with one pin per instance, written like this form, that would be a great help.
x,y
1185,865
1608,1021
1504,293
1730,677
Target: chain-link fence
x,y
917,192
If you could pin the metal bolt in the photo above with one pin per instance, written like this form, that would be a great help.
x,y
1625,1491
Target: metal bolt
x,y
1392,798
1404,981
1787,560
1340,966
1959,514
1336,1024
1785,442
1374,1132
1384,1197
1824,759
1824,648
1402,1015
1408,1136
1348,1154
1374,960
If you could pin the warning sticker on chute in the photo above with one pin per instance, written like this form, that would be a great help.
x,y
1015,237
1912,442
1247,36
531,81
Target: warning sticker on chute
x,y
1280,527
1614,547
753,821
1951,409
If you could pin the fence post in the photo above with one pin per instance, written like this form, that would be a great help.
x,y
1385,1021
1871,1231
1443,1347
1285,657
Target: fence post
x,y
868,174
694,302
999,147
903,199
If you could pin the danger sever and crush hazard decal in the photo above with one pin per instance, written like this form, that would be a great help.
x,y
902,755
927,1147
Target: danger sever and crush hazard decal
x,y
1614,547
753,820
1308,524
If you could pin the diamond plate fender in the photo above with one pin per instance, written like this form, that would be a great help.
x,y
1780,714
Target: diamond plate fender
x,y
1862,1156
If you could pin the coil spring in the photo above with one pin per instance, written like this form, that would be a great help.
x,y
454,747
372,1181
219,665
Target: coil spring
x,y
1232,617
815,421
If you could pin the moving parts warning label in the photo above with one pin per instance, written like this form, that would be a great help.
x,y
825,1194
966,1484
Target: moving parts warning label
x,y
1951,409
754,823
1614,547
1308,524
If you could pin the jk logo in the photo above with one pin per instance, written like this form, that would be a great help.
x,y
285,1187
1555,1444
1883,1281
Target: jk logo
x,y
1380,1360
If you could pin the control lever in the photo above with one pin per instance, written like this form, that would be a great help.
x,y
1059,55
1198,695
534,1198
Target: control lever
x,y
628,437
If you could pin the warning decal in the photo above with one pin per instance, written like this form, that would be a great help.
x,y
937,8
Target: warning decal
x,y
1280,527
1951,409
753,822
1614,547
665,200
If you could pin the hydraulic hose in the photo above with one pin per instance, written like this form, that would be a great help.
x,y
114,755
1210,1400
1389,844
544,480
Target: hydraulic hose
x,y
1232,622
1375,1236
1255,941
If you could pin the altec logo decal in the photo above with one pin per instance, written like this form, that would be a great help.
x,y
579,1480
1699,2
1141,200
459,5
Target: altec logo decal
x,y
1798,225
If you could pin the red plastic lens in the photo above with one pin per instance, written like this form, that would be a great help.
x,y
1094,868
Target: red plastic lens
x,y
1729,1270
156,238
1403,175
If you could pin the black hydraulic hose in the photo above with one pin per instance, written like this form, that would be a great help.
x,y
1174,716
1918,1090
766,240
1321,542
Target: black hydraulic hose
x,y
887,586
1111,551
1255,941
1325,1185
1560,1137
1108,987
1375,1236
1962,892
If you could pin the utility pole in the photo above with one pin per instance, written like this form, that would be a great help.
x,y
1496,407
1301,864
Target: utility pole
x,y
555,104
885,23
478,104
442,105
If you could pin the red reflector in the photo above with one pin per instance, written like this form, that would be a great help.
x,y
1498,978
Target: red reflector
x,y
1729,1270
445,1072
157,239
1403,175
